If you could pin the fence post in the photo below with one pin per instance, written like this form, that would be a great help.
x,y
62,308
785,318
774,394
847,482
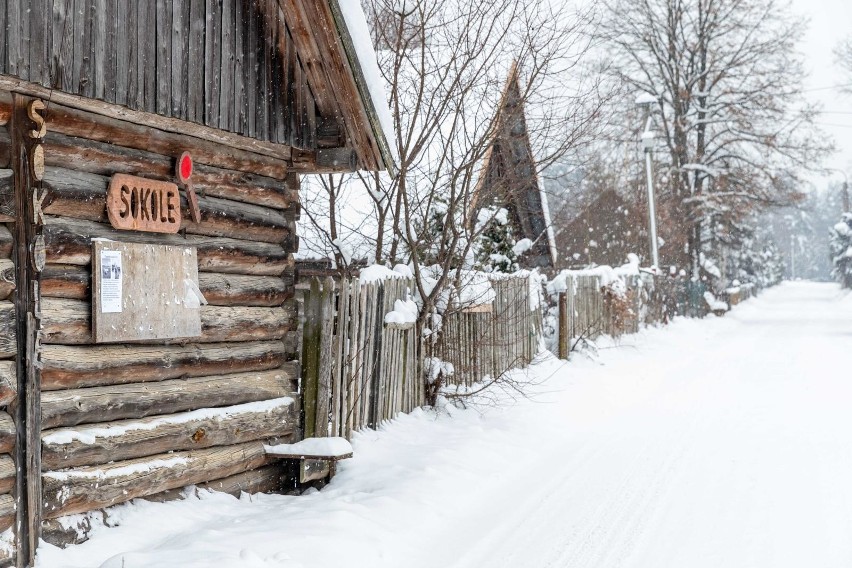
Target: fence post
x,y
564,339
324,366
310,358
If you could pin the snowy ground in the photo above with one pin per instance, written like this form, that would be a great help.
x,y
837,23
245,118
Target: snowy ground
x,y
718,443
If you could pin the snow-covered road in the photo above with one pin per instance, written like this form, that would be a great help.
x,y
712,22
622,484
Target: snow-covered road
x,y
717,443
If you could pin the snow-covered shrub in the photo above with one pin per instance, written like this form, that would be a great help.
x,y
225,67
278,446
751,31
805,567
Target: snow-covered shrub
x,y
841,250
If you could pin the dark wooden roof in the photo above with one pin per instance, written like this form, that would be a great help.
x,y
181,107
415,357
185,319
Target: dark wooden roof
x,y
280,72
509,178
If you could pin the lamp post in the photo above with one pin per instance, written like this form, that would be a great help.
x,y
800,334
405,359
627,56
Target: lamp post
x,y
646,101
844,189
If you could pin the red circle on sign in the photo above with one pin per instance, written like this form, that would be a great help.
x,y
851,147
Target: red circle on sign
x,y
184,169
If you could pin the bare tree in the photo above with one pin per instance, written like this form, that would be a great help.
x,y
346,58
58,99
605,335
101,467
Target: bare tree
x,y
446,63
736,132
843,53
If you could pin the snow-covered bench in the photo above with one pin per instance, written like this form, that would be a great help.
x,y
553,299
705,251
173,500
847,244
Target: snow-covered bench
x,y
316,457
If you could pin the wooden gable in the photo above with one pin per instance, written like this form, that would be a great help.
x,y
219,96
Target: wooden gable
x,y
280,72
509,178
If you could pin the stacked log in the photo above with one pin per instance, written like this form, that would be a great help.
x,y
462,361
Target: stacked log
x,y
8,346
137,419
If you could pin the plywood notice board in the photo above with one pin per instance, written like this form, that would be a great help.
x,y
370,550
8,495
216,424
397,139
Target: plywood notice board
x,y
142,291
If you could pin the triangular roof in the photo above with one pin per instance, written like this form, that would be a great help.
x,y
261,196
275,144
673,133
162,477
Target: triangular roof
x,y
509,178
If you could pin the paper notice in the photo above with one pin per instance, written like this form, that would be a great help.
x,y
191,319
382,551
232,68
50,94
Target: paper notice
x,y
111,281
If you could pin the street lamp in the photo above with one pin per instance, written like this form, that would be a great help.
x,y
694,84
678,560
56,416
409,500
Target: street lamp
x,y
647,101
845,189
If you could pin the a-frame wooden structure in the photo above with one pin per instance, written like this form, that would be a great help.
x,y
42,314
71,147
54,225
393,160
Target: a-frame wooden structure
x,y
509,179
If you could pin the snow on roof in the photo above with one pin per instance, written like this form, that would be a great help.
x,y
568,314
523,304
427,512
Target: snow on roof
x,y
356,25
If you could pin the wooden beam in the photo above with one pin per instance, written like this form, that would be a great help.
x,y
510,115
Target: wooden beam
x,y
69,241
138,400
106,159
82,124
128,439
7,512
24,312
267,479
73,282
82,196
66,366
7,473
7,433
68,322
87,489
164,123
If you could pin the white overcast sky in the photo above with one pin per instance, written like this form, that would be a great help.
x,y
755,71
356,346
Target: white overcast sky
x,y
830,20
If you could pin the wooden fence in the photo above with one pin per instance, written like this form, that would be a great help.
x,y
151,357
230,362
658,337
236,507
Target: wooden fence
x,y
589,309
357,370
592,309
486,341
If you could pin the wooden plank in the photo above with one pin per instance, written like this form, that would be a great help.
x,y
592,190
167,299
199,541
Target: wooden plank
x,y
267,479
163,43
148,118
127,439
76,367
226,73
90,125
8,433
72,282
212,61
37,40
20,320
82,195
8,382
69,241
195,61
7,473
239,96
310,356
313,470
138,400
91,488
339,356
122,34
325,358
7,278
86,156
177,64
156,296
7,512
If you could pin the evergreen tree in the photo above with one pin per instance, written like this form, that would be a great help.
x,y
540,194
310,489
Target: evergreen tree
x,y
841,250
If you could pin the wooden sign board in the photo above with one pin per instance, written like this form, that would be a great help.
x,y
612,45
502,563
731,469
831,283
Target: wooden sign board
x,y
140,204
142,292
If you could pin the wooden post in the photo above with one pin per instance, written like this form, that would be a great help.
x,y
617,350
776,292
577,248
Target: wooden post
x,y
310,357
564,339
324,367
27,413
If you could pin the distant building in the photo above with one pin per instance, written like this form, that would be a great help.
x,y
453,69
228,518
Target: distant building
x,y
509,179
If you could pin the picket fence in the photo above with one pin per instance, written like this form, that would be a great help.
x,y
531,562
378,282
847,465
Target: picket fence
x,y
486,341
357,370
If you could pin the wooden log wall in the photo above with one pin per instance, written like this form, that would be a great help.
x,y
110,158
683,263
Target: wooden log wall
x,y
228,64
130,420
8,342
358,370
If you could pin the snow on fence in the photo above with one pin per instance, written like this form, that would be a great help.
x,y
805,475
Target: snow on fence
x,y
361,354
487,340
593,305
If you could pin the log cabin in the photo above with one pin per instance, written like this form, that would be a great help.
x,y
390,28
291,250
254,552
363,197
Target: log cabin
x,y
150,162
